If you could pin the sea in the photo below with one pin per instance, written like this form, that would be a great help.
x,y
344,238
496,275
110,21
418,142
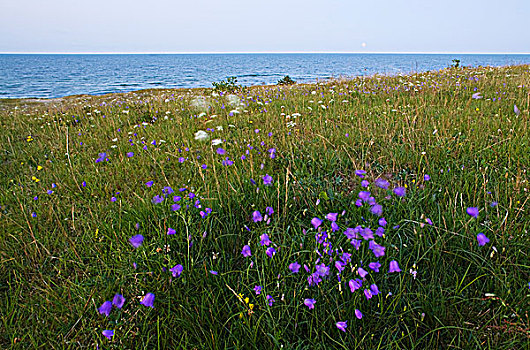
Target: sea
x,y
59,75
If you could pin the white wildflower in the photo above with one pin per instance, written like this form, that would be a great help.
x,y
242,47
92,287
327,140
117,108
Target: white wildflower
x,y
199,102
233,100
201,135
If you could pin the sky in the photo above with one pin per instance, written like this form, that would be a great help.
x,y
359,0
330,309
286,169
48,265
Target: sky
x,y
73,26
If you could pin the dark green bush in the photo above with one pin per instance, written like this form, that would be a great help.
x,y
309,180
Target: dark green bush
x,y
286,81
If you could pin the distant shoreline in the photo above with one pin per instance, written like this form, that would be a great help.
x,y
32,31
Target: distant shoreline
x,y
6,102
59,75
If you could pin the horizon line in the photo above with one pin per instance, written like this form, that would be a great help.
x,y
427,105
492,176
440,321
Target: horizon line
x,y
255,52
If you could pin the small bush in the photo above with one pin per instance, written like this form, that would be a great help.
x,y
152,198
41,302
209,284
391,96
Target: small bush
x,y
286,81
229,85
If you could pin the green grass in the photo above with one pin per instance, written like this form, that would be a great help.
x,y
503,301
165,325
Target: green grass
x,y
57,268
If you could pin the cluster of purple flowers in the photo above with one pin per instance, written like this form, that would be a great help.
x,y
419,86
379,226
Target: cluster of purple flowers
x,y
102,157
340,259
257,217
118,301
191,199
332,259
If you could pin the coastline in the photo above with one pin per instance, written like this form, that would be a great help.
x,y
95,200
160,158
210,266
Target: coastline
x,y
150,93
58,76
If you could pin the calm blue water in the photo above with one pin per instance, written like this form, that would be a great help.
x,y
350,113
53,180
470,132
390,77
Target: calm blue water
x,y
46,76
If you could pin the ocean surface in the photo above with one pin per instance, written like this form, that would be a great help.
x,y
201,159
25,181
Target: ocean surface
x,y
50,76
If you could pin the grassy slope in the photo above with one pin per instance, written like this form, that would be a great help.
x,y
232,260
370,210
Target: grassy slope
x,y
57,268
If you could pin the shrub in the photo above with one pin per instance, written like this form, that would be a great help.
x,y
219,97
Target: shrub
x,y
229,85
286,81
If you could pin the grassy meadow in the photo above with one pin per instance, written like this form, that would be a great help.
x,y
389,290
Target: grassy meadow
x,y
371,213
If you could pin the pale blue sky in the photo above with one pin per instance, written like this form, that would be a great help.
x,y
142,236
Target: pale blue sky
x,y
265,26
